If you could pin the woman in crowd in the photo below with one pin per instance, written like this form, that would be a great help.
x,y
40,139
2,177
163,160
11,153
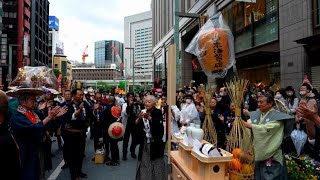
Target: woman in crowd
x,y
189,112
151,164
291,100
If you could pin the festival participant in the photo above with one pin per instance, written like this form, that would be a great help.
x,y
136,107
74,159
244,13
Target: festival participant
x,y
67,101
28,130
267,125
189,112
132,111
109,116
77,122
151,164
9,157
98,108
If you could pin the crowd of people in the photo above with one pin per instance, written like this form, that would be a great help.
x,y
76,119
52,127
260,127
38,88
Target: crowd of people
x,y
29,121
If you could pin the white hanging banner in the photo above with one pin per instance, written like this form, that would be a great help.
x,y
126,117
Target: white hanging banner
x,y
25,45
250,1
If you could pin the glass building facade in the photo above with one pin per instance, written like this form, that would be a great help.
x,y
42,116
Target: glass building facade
x,y
252,24
104,55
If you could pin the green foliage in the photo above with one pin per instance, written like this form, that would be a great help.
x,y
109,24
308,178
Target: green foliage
x,y
103,86
56,72
300,169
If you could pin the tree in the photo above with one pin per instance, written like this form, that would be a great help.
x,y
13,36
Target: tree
x,y
57,72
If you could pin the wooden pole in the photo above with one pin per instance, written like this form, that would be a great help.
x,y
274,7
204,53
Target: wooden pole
x,y
171,93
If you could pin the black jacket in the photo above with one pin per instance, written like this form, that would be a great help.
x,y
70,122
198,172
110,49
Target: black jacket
x,y
132,111
106,120
157,131
78,123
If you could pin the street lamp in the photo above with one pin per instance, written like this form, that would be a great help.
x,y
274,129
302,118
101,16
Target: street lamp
x,y
132,66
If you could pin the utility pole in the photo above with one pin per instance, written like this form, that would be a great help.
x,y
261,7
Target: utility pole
x,y
132,66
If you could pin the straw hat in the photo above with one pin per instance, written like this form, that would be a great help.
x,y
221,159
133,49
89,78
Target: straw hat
x,y
19,91
116,130
115,111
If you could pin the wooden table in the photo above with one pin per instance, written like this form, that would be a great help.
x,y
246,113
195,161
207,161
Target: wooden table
x,y
189,164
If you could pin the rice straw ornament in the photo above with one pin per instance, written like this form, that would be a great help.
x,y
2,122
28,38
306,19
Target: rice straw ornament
x,y
210,134
239,141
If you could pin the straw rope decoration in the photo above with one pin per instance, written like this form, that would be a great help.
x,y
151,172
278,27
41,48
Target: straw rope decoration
x,y
239,140
210,134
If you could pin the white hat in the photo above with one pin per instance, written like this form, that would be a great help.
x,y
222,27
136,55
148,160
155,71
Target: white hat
x,y
116,130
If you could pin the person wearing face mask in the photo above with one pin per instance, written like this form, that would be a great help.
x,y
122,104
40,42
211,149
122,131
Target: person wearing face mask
x,y
189,112
307,97
292,103
291,100
279,96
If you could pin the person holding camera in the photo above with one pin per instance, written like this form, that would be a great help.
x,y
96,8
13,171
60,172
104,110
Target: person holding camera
x,y
132,110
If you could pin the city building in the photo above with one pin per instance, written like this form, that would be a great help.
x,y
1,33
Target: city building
x,y
39,33
138,41
3,52
89,74
64,66
15,37
104,55
299,36
275,40
54,44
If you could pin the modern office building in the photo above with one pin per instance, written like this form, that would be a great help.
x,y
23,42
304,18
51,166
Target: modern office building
x,y
39,32
104,55
275,40
15,37
138,40
54,44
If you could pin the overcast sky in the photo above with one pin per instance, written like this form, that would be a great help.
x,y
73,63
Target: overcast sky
x,y
84,22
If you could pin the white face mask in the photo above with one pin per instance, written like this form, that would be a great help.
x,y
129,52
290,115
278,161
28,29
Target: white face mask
x,y
278,96
188,101
302,93
221,94
289,93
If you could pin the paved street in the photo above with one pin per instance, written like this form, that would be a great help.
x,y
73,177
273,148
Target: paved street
x,y
126,170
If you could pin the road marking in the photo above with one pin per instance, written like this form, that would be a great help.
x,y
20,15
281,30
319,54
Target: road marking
x,y
56,172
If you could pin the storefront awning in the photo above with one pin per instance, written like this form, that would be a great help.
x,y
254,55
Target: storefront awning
x,y
314,39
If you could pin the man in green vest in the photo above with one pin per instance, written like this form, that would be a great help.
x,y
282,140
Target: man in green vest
x,y
268,127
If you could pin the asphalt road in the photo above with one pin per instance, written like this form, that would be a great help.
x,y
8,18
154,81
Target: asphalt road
x,y
126,170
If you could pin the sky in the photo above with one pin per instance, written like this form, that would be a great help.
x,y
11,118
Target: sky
x,y
83,22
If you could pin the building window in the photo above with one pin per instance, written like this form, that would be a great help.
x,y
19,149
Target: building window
x,y
317,12
252,24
